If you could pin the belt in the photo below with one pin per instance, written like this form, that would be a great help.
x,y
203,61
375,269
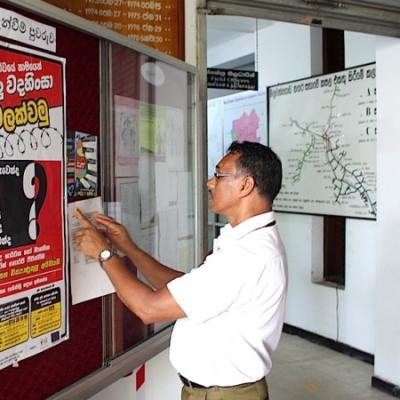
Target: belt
x,y
189,383
186,382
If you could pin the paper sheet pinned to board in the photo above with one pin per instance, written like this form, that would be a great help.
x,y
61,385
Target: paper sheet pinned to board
x,y
88,279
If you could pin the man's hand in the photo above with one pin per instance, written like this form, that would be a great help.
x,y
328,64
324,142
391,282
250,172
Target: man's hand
x,y
88,238
116,232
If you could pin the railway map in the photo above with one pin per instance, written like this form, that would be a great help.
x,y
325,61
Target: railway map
x,y
324,130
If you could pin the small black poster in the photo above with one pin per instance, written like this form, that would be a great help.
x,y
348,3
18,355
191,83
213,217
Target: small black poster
x,y
233,79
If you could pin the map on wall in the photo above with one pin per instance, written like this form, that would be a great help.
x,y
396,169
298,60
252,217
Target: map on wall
x,y
241,116
324,130
245,117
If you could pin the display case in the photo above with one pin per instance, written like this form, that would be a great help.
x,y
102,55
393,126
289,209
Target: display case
x,y
141,106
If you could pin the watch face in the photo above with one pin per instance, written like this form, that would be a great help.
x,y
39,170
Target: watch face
x,y
105,255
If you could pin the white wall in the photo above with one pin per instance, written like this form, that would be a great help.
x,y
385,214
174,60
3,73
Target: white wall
x,y
123,389
161,382
309,306
288,52
360,48
358,300
190,31
284,53
162,379
239,47
387,321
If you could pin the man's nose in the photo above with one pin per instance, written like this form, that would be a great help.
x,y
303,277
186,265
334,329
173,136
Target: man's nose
x,y
211,182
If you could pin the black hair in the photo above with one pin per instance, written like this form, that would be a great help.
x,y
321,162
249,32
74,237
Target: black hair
x,y
262,164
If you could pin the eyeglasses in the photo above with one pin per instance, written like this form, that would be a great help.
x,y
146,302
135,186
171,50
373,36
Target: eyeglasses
x,y
218,174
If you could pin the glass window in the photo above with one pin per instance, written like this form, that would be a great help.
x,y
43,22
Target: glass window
x,y
151,175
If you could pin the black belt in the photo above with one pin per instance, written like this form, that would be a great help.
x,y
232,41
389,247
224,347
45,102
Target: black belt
x,y
186,382
189,383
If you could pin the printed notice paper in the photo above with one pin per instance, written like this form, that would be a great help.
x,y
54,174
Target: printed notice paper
x,y
88,279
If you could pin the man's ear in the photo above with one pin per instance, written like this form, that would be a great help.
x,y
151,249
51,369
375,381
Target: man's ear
x,y
247,185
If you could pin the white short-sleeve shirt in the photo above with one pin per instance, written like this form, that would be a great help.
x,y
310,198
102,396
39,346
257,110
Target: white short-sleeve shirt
x,y
234,304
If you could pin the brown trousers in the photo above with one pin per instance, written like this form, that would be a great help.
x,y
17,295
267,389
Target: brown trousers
x,y
248,391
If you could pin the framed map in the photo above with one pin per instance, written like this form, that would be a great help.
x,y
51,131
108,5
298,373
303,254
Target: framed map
x,y
324,130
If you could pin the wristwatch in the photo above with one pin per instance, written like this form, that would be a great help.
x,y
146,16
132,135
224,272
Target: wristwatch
x,y
105,255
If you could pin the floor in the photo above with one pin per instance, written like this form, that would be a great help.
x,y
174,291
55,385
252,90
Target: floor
x,y
306,371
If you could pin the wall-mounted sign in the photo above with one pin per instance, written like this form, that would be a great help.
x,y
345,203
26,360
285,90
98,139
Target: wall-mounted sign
x,y
158,24
25,30
233,79
324,130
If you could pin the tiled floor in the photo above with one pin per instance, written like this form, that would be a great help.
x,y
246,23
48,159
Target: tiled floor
x,y
306,371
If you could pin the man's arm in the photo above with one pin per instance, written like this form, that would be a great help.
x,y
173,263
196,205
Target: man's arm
x,y
150,306
156,273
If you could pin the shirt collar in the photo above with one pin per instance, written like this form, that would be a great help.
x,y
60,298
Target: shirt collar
x,y
229,233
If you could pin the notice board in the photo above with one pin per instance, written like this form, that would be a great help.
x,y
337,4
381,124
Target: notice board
x,y
324,130
152,178
42,375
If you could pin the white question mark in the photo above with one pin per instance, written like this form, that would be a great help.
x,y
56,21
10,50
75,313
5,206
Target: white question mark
x,y
29,191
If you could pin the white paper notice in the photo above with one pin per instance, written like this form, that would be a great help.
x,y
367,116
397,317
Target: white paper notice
x,y
168,237
88,279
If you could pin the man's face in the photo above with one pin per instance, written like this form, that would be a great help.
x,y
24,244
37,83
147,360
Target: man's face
x,y
225,189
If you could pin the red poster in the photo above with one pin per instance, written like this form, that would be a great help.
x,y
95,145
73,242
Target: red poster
x,y
33,306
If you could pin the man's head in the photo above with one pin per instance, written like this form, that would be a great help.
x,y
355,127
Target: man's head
x,y
262,164
245,181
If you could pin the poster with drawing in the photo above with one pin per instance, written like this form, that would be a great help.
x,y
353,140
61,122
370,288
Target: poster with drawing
x,y
126,114
33,258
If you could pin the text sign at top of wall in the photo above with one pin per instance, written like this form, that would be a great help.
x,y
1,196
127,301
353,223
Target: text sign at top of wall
x,y
151,22
25,30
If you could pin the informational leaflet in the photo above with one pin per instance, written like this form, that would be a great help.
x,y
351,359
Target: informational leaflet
x,y
33,258
88,279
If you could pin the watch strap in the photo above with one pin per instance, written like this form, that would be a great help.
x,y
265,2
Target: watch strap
x,y
105,255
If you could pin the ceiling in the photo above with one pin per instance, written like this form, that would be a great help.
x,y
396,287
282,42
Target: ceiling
x,y
379,17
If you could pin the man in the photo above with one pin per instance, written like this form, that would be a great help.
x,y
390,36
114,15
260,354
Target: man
x,y
229,311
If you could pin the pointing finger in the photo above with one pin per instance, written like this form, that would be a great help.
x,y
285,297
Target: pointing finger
x,y
82,218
